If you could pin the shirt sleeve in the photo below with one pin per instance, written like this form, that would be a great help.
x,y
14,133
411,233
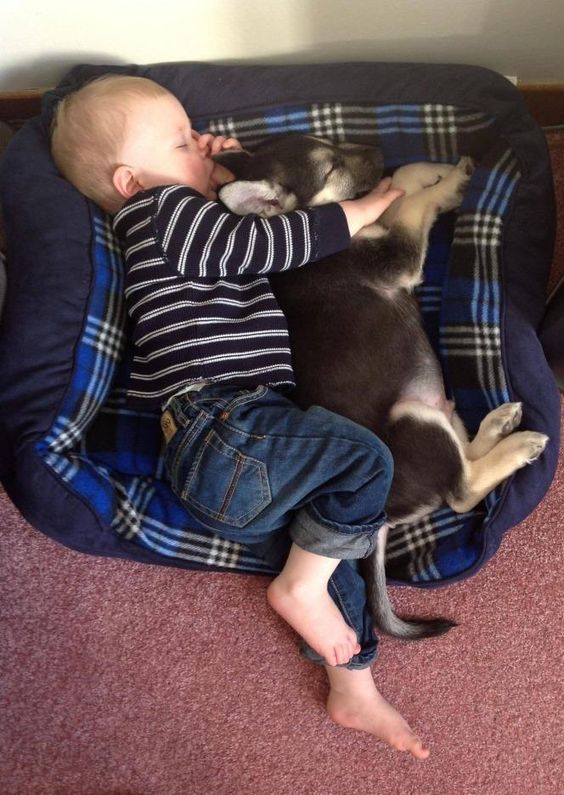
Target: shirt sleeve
x,y
199,238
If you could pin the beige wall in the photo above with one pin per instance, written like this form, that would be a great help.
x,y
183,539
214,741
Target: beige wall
x,y
40,39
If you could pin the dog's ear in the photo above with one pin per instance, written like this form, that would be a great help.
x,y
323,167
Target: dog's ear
x,y
234,159
260,197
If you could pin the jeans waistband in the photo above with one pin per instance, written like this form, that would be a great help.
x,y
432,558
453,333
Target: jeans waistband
x,y
195,386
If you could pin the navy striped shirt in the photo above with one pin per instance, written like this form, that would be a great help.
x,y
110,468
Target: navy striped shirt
x,y
197,289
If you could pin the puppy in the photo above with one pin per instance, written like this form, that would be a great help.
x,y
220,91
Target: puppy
x,y
357,339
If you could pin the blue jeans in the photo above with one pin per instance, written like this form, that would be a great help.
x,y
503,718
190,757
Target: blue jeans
x,y
254,468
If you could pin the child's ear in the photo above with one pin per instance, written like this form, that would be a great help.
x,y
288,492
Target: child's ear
x,y
125,182
233,159
261,197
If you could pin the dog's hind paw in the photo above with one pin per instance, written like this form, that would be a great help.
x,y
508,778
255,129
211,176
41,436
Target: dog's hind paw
x,y
526,446
534,445
500,422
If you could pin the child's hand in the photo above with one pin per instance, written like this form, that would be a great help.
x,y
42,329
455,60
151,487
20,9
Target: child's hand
x,y
375,203
212,144
366,210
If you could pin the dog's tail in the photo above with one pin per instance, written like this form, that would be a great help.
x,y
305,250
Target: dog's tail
x,y
374,571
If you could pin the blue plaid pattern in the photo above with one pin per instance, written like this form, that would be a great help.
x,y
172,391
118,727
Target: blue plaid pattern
x,y
112,456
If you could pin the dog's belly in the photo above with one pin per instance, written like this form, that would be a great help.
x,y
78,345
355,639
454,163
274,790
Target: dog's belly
x,y
427,385
362,352
356,351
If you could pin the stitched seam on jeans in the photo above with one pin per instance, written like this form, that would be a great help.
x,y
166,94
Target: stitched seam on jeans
x,y
245,398
231,488
226,450
244,434
369,529
189,433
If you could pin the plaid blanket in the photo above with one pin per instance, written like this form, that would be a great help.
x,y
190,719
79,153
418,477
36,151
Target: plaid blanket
x,y
112,456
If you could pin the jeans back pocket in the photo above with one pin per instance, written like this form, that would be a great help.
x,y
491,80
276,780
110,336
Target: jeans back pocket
x,y
225,484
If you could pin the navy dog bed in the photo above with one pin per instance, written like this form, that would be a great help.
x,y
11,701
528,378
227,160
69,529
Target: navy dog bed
x,y
86,470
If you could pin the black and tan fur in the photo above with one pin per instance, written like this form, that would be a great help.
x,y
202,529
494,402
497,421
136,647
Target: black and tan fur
x,y
357,339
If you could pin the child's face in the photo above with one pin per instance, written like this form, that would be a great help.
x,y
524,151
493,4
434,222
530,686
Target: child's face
x,y
161,148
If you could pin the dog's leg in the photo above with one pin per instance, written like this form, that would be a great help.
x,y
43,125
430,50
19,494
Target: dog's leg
x,y
495,426
412,179
429,460
418,176
418,211
506,457
415,214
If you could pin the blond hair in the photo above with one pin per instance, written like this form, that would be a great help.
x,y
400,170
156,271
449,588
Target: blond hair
x,y
88,130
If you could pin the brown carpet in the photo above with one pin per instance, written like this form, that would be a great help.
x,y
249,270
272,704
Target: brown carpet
x,y
123,679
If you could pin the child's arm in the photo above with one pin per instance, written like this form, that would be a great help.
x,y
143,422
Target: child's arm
x,y
199,239
359,213
365,211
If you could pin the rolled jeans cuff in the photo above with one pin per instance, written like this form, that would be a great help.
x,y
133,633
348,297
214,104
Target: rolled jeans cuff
x,y
330,542
364,659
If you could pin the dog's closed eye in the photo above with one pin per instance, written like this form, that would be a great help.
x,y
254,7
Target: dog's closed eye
x,y
332,166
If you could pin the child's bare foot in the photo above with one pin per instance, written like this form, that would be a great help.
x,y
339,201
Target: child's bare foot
x,y
309,609
355,703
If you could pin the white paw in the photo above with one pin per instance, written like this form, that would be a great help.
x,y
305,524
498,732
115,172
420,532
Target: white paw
x,y
455,184
462,174
535,445
466,165
531,445
502,421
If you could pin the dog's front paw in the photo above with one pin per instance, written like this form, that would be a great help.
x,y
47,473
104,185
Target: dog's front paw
x,y
462,174
466,165
454,185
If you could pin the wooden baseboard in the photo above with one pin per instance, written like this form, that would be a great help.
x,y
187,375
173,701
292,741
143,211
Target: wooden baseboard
x,y
545,103
19,105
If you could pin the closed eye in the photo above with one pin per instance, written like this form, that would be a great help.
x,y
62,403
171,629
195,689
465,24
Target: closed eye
x,y
336,164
